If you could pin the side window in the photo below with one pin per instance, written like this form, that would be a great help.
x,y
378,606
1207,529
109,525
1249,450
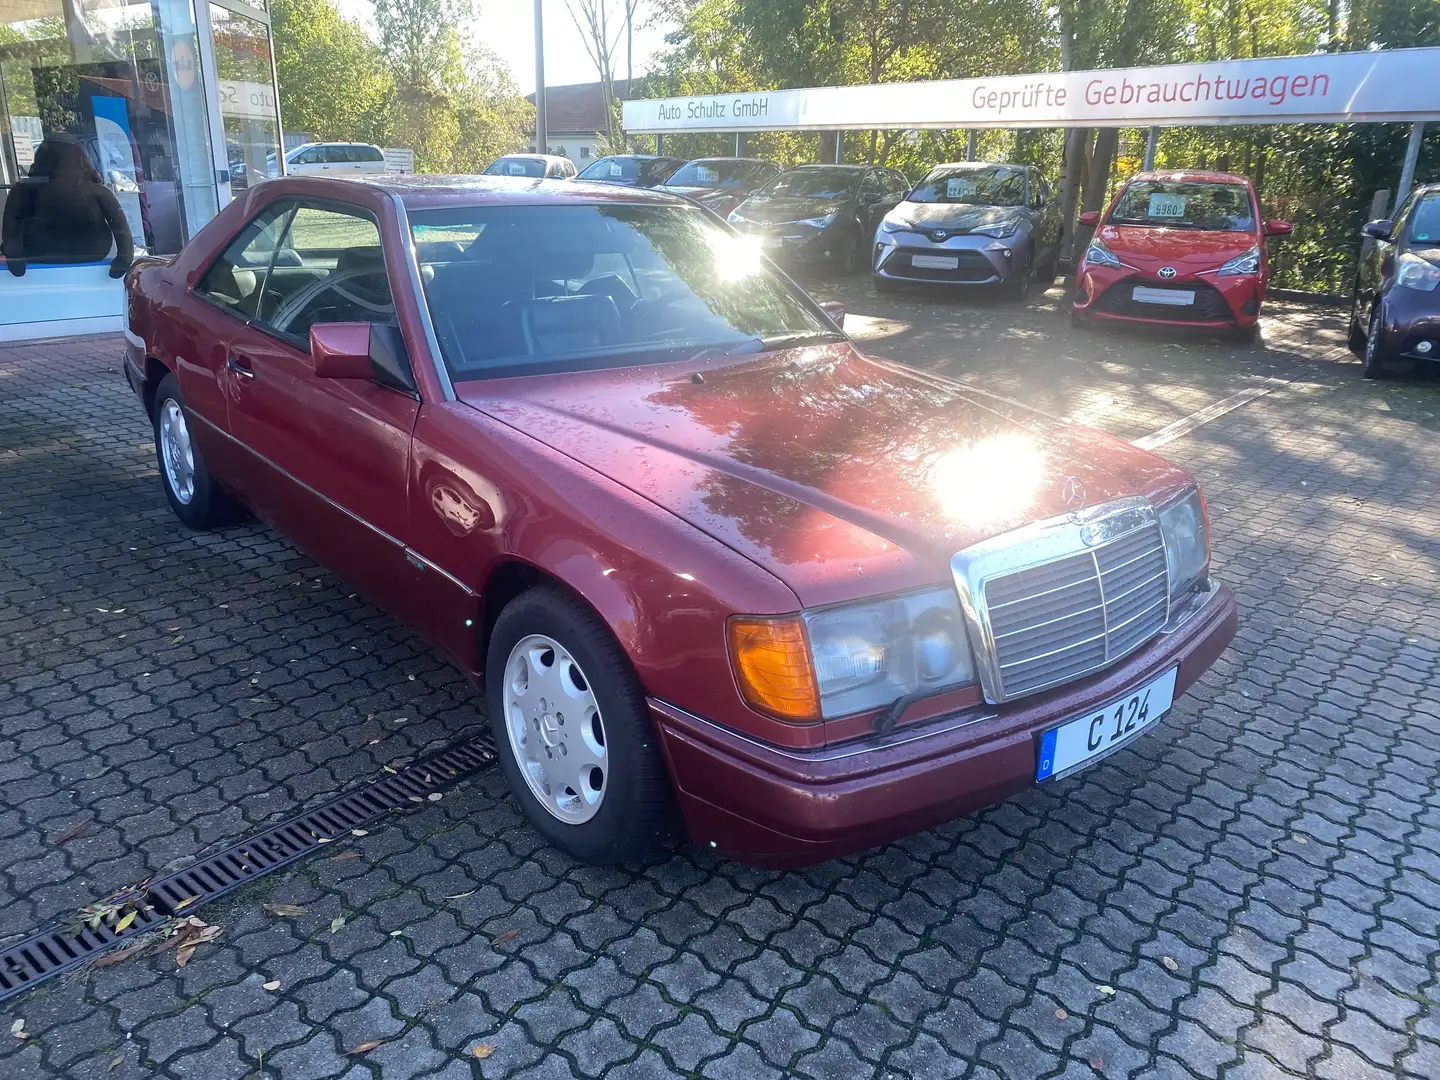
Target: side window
x,y
236,280
337,155
332,270
872,184
311,156
899,185
369,153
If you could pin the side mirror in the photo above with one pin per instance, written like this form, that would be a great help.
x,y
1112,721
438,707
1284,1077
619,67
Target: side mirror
x,y
1090,218
341,350
1380,230
836,311
1276,227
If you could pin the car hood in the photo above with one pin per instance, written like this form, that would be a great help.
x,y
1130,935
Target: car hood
x,y
1185,249
1430,254
953,217
842,474
787,208
702,192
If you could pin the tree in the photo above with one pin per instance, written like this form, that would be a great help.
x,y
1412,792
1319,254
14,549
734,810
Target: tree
x,y
603,24
420,40
333,81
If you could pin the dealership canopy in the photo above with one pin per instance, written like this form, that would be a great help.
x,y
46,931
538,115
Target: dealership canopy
x,y
1360,87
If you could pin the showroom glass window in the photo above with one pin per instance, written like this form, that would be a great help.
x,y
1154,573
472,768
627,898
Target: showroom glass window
x,y
121,80
247,96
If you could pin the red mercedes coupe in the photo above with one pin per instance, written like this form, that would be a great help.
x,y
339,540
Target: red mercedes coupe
x,y
715,565
1178,248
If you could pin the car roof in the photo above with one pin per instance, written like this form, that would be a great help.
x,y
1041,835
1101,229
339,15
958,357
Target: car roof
x,y
428,190
1195,175
726,157
823,165
531,157
979,165
638,157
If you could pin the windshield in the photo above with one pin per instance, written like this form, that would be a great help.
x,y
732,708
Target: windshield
x,y
1425,221
814,183
722,174
516,166
517,290
1190,204
993,185
629,170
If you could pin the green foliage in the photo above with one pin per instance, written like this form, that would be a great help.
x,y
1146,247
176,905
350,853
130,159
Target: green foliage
x,y
1321,176
418,86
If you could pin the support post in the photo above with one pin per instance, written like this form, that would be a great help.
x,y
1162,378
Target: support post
x,y
542,135
1152,142
839,148
660,142
1412,155
972,137
739,144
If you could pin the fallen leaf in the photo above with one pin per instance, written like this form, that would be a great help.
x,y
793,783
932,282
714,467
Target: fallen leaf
x,y
1097,1063
359,832
483,1050
116,1062
336,923
284,909
1297,838
410,677
1061,1014
187,902
1108,991
118,956
124,924
18,1029
344,856
324,840
1170,963
461,895
506,936
183,955
273,984
177,639
103,610
388,769
396,933
434,796
365,1047
76,830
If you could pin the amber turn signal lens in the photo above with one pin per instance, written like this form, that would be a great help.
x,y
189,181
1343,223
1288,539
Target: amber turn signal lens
x,y
772,666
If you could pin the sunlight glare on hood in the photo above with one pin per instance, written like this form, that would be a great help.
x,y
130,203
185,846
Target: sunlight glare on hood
x,y
993,479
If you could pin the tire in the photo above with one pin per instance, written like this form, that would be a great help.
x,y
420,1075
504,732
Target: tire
x,y
1047,276
620,806
1375,355
1018,289
1078,321
1355,338
194,495
1245,333
854,258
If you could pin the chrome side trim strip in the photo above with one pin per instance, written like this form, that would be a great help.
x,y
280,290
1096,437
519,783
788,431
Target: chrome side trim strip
x,y
412,269
408,552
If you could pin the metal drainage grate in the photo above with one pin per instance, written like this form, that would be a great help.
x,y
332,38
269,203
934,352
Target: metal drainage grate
x,y
60,948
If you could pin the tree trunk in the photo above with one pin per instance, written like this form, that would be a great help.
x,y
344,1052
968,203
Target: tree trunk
x,y
1075,145
1097,183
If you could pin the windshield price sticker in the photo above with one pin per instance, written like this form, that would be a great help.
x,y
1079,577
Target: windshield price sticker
x,y
1166,206
706,174
615,169
957,187
517,169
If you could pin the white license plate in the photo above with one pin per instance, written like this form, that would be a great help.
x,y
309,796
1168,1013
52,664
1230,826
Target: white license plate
x,y
935,262
1173,297
1076,743
772,241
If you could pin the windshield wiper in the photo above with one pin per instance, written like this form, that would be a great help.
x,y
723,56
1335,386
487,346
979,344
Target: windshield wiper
x,y
803,337
749,345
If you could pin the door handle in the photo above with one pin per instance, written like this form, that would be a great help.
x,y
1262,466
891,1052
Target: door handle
x,y
240,366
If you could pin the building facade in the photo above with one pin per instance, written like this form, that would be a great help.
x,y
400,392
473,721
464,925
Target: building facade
x,y
169,106
575,119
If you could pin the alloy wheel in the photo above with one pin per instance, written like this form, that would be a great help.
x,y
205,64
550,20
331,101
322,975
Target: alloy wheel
x,y
176,452
556,732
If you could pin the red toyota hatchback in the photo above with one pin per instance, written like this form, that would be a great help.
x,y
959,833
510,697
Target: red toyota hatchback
x,y
706,555
1178,248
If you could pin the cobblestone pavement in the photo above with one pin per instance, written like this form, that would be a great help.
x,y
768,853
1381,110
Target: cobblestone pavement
x,y
1251,891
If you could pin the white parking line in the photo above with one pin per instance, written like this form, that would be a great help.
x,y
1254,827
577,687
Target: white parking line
x,y
1186,424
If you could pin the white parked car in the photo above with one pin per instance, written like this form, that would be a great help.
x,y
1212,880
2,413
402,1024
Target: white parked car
x,y
332,158
538,166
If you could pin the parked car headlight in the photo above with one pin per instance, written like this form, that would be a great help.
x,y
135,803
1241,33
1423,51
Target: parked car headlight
x,y
736,218
851,658
1414,272
819,222
892,225
1249,263
1185,527
1000,230
1097,254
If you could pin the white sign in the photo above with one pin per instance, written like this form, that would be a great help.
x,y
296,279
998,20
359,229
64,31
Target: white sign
x,y
24,150
1385,85
399,159
250,100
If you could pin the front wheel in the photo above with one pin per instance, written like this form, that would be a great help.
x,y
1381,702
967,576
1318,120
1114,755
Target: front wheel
x,y
1019,287
192,492
1355,337
573,730
1376,354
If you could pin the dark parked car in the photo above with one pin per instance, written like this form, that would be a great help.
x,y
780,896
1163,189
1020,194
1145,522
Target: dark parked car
x,y
821,214
721,184
710,556
971,224
1396,313
631,170
537,166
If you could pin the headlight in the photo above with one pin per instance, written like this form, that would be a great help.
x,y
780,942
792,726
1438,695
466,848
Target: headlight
x,y
999,230
1414,272
736,218
887,225
852,658
1097,254
1249,263
1187,542
818,222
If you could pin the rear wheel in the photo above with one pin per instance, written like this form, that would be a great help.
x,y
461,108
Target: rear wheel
x,y
192,492
1376,355
573,730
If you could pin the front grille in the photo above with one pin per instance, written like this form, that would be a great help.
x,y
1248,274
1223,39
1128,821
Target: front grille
x,y
1209,305
1062,619
973,266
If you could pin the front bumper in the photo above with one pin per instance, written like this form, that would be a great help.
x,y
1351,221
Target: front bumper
x,y
1411,316
1220,303
770,806
801,244
980,260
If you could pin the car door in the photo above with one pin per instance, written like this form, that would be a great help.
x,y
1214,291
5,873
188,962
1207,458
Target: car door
x,y
1047,218
330,456
873,190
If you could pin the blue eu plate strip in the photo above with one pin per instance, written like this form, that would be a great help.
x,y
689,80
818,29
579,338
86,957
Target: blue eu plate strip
x,y
1047,755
